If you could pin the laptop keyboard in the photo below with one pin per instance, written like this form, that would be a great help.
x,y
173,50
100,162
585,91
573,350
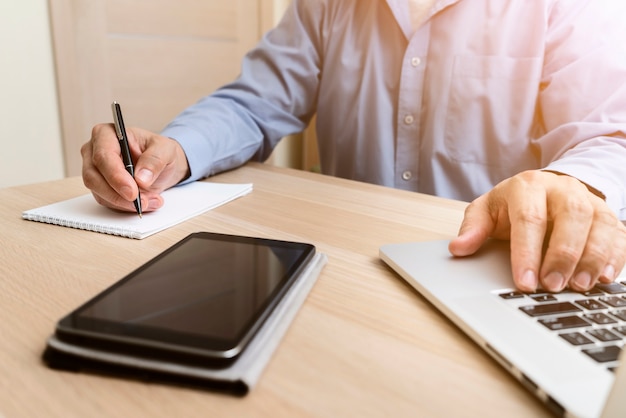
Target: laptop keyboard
x,y
593,322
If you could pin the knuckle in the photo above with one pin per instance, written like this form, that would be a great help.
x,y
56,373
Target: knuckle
x,y
566,254
97,129
579,208
98,157
528,176
85,149
532,218
596,252
608,218
89,179
522,176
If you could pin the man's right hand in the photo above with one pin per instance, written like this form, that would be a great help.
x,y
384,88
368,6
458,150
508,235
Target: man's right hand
x,y
160,163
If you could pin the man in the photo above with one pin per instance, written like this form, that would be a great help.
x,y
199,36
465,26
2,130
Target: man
x,y
517,105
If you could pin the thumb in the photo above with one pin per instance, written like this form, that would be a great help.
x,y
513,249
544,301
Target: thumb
x,y
145,177
476,227
156,155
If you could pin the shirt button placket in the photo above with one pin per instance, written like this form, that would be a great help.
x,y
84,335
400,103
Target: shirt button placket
x,y
409,102
406,175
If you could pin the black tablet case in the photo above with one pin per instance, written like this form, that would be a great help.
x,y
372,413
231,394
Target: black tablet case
x,y
236,379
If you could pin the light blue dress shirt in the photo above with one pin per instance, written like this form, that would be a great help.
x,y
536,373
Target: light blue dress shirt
x,y
482,90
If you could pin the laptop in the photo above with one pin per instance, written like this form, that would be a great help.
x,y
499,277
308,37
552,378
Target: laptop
x,y
563,347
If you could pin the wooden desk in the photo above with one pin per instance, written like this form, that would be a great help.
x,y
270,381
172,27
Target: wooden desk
x,y
364,343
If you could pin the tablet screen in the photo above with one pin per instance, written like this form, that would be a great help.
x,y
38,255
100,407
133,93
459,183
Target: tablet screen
x,y
209,291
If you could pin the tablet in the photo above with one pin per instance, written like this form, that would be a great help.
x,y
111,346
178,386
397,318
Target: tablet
x,y
199,303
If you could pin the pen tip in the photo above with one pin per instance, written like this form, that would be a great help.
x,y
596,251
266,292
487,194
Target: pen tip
x,y
140,216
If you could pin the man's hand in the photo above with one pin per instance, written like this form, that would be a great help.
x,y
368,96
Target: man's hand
x,y
160,163
584,241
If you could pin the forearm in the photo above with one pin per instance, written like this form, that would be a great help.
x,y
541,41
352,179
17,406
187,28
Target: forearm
x,y
274,96
582,96
213,138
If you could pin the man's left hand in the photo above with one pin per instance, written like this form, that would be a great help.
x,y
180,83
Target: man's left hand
x,y
539,212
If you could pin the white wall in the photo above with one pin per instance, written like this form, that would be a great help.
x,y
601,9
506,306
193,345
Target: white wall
x,y
30,137
30,133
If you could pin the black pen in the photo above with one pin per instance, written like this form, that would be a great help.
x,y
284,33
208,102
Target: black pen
x,y
120,129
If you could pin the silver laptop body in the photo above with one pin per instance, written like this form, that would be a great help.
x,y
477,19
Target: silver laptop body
x,y
573,377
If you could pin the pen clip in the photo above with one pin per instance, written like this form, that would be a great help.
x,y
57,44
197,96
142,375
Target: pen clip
x,y
117,120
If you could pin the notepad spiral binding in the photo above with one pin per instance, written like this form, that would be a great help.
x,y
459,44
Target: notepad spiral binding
x,y
102,228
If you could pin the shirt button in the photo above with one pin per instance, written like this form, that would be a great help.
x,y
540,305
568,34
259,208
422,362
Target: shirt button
x,y
415,61
407,175
408,119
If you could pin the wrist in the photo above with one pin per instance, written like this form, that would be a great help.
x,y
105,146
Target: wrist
x,y
183,172
591,189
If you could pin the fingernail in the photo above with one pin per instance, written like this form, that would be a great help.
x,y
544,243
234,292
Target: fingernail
x,y
609,272
554,282
582,280
144,175
529,281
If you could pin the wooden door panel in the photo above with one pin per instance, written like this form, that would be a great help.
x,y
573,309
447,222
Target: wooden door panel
x,y
153,56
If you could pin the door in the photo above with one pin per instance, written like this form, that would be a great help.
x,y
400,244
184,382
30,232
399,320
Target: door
x,y
155,57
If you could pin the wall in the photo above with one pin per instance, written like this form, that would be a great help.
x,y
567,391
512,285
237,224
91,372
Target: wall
x,y
31,148
30,137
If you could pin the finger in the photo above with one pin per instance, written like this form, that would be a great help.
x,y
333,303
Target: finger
x,y
476,227
604,252
105,195
572,215
149,201
114,201
103,168
617,260
162,163
528,216
152,162
94,180
102,191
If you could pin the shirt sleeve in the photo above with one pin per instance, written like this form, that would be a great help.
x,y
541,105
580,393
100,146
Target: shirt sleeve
x,y
582,100
274,96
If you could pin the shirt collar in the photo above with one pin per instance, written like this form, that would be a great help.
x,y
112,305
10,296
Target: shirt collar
x,y
400,10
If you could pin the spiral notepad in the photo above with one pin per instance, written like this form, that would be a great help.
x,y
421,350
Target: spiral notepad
x,y
181,203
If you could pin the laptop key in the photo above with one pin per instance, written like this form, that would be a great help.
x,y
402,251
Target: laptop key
x,y
621,330
600,318
612,288
603,335
543,298
513,294
604,354
614,301
564,322
575,338
621,314
592,292
550,308
591,304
